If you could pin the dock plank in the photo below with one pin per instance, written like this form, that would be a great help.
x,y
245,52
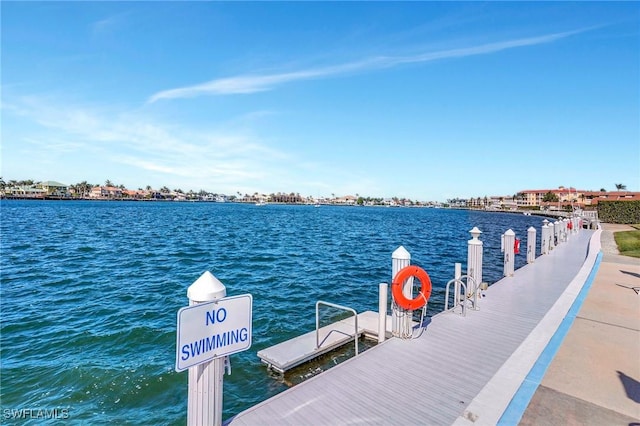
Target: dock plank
x,y
434,379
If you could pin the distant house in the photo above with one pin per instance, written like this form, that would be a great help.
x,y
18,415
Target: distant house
x,y
135,194
105,192
25,191
571,197
54,189
348,200
591,198
495,202
535,197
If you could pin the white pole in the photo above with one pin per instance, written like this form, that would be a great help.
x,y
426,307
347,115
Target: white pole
x,y
474,264
509,241
457,274
204,406
544,237
401,317
382,313
552,235
531,244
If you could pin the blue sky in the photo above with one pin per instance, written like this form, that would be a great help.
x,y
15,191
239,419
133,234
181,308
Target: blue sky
x,y
423,100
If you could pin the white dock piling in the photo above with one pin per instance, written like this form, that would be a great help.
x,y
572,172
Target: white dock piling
x,y
531,244
382,312
204,406
544,237
509,238
474,264
401,323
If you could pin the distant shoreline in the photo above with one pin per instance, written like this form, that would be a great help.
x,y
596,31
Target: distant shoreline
x,y
153,200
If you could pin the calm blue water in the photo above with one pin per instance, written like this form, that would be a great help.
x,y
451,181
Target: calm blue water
x,y
90,290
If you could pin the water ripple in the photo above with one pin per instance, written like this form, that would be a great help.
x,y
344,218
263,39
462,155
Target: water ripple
x,y
90,290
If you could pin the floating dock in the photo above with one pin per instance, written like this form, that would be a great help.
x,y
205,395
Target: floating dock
x,y
291,353
461,370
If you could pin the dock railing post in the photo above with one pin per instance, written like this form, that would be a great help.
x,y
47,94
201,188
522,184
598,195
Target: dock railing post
x,y
401,318
544,237
552,236
457,274
474,265
382,312
204,400
509,252
531,244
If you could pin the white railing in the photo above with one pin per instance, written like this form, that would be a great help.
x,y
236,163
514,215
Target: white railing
x,y
333,305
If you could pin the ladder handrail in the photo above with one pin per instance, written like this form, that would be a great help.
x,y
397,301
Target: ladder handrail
x,y
333,305
457,296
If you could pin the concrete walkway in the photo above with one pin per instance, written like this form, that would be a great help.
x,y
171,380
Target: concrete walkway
x,y
594,379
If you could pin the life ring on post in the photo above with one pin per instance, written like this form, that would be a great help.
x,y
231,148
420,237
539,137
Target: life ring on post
x,y
516,246
398,284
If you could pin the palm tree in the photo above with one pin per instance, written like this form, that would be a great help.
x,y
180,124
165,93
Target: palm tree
x,y
108,183
82,188
621,187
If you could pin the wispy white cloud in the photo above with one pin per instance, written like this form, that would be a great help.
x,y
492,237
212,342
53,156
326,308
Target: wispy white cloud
x,y
130,144
245,84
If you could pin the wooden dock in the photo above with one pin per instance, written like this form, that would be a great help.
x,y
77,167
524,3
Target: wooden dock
x,y
462,370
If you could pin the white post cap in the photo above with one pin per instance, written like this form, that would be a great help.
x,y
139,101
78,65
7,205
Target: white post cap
x,y
475,232
401,253
509,232
531,229
206,289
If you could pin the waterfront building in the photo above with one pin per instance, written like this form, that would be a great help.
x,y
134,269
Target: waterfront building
x,y
105,192
54,189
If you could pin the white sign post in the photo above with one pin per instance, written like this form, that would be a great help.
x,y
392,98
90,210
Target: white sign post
x,y
209,329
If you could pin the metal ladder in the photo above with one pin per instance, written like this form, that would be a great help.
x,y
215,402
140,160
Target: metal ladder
x,y
333,305
461,299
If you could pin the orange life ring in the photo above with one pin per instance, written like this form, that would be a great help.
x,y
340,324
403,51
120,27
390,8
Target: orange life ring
x,y
398,283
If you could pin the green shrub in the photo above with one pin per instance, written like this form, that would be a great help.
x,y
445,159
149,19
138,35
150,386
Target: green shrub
x,y
627,212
